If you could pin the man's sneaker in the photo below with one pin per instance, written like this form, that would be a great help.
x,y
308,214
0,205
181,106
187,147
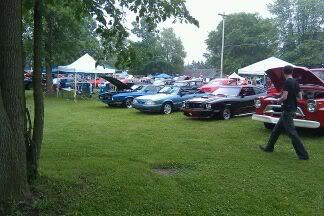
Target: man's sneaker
x,y
265,149
303,158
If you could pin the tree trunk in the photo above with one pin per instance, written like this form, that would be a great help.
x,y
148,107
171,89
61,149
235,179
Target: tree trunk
x,y
13,172
37,139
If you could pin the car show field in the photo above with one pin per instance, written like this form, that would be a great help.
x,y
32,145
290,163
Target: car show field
x,y
98,160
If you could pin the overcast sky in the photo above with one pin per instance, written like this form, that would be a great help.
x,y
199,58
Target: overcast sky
x,y
206,11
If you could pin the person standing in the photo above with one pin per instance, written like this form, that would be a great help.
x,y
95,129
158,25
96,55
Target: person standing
x,y
291,92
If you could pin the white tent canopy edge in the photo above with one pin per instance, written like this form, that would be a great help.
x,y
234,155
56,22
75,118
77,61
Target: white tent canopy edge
x,y
259,68
85,64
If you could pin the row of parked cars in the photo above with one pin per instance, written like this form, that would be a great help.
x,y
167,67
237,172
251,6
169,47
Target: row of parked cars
x,y
224,99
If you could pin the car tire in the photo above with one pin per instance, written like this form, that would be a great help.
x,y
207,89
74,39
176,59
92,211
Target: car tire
x,y
226,113
269,125
166,108
128,103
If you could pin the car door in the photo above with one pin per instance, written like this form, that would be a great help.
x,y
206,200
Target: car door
x,y
248,96
183,95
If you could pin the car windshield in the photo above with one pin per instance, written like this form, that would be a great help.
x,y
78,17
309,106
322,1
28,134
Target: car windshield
x,y
227,92
137,87
218,82
170,90
148,88
159,82
319,73
180,83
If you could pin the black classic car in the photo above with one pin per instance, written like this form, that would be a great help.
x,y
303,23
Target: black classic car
x,y
224,103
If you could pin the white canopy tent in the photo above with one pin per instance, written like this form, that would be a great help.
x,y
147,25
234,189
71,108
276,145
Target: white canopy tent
x,y
85,64
236,76
259,68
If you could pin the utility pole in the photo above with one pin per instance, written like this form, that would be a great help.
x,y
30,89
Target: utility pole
x,y
222,53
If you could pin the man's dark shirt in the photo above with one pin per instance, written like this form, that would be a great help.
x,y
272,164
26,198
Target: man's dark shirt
x,y
292,87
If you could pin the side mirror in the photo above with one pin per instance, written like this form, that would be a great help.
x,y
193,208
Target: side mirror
x,y
243,95
181,93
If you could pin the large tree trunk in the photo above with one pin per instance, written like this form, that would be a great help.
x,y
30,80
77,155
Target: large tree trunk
x,y
34,151
13,172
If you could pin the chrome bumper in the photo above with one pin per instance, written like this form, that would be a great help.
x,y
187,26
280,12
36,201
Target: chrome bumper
x,y
297,122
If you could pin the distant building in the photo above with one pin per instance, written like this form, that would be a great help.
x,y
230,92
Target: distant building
x,y
202,73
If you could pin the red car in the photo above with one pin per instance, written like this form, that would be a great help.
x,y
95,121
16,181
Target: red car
x,y
215,84
310,111
98,81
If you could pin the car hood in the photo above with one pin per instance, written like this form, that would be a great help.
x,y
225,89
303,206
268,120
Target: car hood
x,y
130,94
156,97
209,99
303,75
120,85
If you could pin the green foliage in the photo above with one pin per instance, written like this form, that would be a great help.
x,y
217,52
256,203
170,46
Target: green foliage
x,y
198,65
248,39
300,25
110,15
66,35
156,52
70,30
94,164
172,49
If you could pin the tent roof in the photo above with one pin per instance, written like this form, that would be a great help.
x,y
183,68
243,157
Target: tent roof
x,y
260,67
85,64
163,75
235,76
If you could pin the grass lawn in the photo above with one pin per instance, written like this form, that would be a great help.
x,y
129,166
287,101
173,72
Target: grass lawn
x,y
109,161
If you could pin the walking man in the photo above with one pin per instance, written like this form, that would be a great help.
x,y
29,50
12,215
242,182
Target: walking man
x,y
291,92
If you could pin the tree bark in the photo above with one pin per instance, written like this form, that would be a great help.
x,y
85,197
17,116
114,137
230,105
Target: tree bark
x,y
13,172
37,138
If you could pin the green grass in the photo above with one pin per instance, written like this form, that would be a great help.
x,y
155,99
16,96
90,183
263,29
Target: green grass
x,y
99,161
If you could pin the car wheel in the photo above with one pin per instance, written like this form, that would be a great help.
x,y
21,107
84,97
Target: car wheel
x,y
226,113
128,103
167,108
269,125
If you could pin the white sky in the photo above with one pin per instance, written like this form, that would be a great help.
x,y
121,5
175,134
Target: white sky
x,y
206,12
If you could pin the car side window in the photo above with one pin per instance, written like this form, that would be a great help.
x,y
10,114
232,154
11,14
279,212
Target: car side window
x,y
184,92
248,91
151,89
258,90
192,84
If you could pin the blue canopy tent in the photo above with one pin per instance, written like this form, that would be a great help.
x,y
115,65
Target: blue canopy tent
x,y
162,76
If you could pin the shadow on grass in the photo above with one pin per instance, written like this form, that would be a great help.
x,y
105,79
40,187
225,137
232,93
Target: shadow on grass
x,y
140,113
56,196
170,168
215,118
307,132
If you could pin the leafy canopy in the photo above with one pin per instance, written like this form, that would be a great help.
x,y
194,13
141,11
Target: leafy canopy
x,y
248,39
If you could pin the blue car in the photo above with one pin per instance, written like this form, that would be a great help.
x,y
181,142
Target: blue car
x,y
169,99
126,99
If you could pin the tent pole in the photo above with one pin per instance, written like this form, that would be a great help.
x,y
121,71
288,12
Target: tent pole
x,y
58,84
94,87
75,86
